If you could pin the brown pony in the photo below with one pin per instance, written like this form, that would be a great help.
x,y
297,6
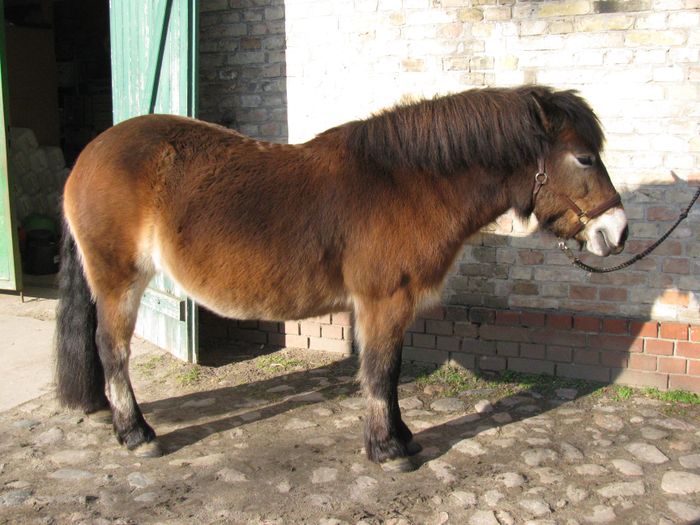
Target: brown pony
x,y
367,216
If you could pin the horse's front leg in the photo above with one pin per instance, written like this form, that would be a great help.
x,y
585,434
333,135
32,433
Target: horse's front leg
x,y
380,326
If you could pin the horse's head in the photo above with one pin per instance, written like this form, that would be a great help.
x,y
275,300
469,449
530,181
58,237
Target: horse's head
x,y
572,195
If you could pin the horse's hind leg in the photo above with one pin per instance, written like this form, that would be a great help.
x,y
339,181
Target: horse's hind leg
x,y
117,309
380,326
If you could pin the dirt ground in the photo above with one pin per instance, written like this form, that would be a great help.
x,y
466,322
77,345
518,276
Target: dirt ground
x,y
274,438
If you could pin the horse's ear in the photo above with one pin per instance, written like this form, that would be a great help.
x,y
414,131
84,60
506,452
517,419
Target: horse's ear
x,y
537,109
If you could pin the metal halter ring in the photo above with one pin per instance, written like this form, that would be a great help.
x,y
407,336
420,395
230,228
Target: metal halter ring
x,y
541,177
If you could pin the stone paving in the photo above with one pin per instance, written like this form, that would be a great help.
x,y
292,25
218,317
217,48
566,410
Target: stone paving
x,y
287,449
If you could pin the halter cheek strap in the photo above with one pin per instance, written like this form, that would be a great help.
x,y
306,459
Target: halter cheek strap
x,y
584,217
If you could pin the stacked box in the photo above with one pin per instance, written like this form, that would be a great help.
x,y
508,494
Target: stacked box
x,y
38,174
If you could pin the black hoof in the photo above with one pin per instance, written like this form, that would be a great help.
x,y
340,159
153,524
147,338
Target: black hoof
x,y
413,448
136,436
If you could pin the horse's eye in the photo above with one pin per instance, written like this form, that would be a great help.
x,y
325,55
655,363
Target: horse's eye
x,y
585,160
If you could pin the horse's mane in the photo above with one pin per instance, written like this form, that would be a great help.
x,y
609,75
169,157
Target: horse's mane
x,y
493,128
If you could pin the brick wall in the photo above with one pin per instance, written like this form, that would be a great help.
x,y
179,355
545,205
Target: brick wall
x,y
242,71
636,61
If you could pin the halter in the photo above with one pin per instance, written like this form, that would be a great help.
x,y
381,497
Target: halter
x,y
584,217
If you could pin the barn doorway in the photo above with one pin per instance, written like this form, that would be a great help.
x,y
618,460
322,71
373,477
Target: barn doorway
x,y
59,98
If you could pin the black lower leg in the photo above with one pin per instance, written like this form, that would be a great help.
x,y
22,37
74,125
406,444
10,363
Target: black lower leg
x,y
386,435
130,426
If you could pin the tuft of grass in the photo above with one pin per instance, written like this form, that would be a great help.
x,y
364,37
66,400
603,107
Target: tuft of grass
x,y
621,393
454,380
673,396
277,362
191,375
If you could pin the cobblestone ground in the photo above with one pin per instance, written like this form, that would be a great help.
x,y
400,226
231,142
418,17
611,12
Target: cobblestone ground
x,y
277,439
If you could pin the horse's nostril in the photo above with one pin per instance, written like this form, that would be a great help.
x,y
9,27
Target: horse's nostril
x,y
623,237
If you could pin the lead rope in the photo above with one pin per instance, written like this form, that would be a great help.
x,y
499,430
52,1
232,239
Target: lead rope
x,y
583,266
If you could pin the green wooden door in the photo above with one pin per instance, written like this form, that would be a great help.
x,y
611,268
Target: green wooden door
x,y
10,277
154,51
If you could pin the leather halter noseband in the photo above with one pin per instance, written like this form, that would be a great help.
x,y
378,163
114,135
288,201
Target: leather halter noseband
x,y
584,217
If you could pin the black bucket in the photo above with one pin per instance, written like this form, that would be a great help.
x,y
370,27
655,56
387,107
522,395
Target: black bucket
x,y
42,253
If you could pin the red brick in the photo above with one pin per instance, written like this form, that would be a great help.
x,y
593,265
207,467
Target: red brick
x,y
695,334
552,337
614,359
310,328
658,347
661,213
251,336
694,368
532,319
589,372
439,327
586,293
613,294
462,360
342,318
672,365
530,366
677,331
332,331
680,266
492,363
269,326
330,345
466,329
418,325
689,383
296,341
648,329
277,339
482,315
530,257
691,350
617,342
456,313
324,319
532,351
642,362
559,321
625,376
449,343
559,353
615,326
423,355
586,324
504,333
291,327
476,346
436,313
505,317
507,349
674,297
586,357
424,340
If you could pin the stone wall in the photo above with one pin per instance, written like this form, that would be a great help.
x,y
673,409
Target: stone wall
x,y
242,71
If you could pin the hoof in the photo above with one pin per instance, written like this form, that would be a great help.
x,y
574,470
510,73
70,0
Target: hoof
x,y
413,448
398,465
100,417
148,450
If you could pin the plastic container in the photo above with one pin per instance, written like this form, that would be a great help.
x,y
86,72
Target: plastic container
x,y
42,253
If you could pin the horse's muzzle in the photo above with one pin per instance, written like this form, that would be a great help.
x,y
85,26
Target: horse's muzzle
x,y
607,233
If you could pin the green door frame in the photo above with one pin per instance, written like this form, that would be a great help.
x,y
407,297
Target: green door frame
x,y
154,70
10,263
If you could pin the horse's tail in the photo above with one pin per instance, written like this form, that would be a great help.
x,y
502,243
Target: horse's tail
x,y
80,379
